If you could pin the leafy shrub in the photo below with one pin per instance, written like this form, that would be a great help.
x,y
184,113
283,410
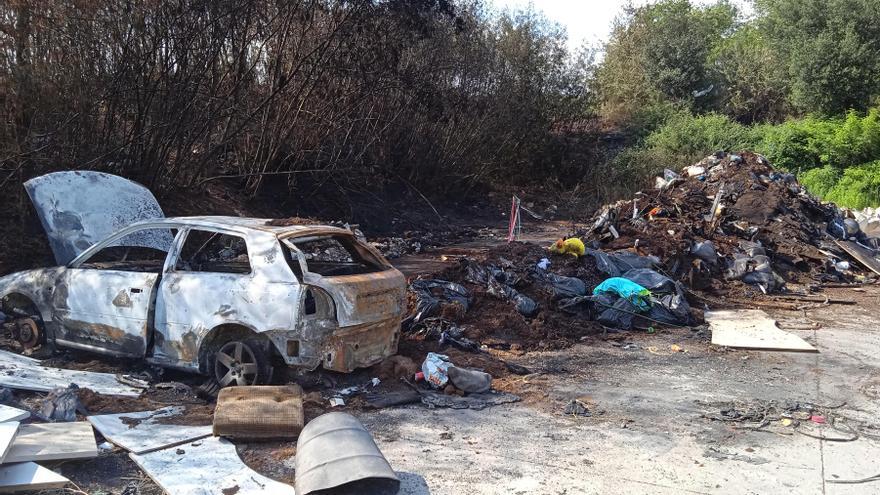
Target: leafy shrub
x,y
795,145
856,140
686,138
819,181
858,187
800,145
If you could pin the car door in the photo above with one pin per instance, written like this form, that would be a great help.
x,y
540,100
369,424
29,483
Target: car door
x,y
102,302
219,278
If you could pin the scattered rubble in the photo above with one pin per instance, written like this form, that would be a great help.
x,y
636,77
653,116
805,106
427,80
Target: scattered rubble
x,y
22,372
61,404
417,242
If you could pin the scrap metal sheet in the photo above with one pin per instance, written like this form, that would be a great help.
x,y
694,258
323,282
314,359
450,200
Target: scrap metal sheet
x,y
210,465
24,373
141,432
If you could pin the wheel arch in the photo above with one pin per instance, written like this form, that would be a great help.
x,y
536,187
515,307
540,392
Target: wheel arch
x,y
26,304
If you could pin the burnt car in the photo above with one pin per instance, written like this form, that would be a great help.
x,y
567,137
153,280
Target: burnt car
x,y
225,296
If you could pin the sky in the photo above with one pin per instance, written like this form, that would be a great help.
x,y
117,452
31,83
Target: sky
x,y
585,20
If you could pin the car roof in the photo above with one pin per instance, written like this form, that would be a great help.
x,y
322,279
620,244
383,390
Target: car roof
x,y
244,223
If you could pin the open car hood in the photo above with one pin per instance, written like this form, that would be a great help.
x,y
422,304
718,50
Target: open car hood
x,y
79,209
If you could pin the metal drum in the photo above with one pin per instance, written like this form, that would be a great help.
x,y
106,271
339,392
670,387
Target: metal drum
x,y
335,454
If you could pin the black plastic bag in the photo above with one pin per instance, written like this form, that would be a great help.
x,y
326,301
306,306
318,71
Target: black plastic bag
x,y
563,287
618,314
432,294
525,305
668,301
617,263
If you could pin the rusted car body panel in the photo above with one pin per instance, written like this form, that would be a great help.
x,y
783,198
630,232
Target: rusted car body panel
x,y
168,315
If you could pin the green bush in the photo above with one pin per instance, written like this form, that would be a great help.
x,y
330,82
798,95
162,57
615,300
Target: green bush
x,y
856,140
796,145
858,187
804,144
686,138
819,181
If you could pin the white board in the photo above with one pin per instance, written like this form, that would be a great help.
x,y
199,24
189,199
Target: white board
x,y
148,434
29,476
7,434
21,372
53,441
752,329
210,465
9,413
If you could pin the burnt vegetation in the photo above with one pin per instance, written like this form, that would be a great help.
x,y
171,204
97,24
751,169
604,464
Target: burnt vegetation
x,y
292,100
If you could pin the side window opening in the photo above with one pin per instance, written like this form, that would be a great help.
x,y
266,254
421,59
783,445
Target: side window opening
x,y
214,252
131,258
335,255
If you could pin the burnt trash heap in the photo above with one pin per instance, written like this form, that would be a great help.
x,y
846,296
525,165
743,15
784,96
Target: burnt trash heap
x,y
729,224
520,297
733,217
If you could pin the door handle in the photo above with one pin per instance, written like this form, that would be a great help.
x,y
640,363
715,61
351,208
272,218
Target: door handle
x,y
135,290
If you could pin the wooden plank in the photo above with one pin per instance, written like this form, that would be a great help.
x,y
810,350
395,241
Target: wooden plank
x,y
53,441
7,434
21,372
210,465
29,476
262,411
141,432
861,254
752,329
9,413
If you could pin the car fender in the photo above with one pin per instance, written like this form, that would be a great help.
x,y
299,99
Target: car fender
x,y
38,285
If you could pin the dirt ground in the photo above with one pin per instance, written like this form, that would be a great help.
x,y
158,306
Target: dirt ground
x,y
658,418
665,421
646,401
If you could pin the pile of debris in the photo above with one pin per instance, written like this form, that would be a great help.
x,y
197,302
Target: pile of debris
x,y
520,297
728,223
734,217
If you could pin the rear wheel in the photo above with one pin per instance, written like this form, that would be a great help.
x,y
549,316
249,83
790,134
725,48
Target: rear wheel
x,y
241,363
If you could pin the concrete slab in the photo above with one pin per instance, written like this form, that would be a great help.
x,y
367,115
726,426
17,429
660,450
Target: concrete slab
x,y
29,476
752,329
7,434
52,442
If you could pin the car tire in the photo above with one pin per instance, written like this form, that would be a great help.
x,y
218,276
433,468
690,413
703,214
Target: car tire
x,y
241,363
